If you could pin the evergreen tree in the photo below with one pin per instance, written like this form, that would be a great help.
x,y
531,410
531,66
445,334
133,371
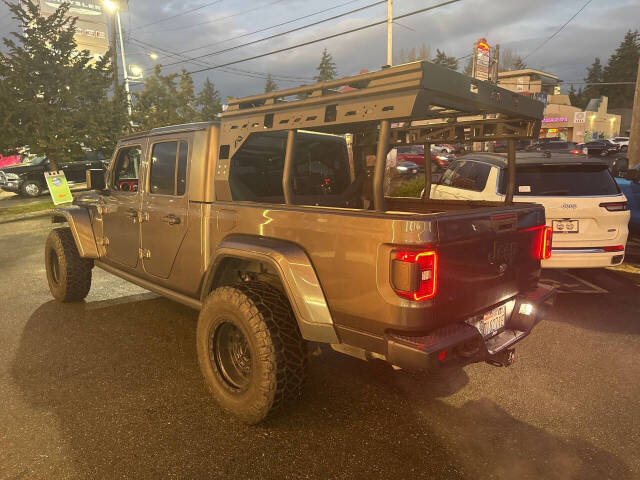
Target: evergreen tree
x,y
510,61
54,98
577,98
270,85
622,67
441,58
594,76
186,98
326,68
468,69
208,102
159,102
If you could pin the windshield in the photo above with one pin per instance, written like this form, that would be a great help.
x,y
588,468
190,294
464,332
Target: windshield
x,y
578,180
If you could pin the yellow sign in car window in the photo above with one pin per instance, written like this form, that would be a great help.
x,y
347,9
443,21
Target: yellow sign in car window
x,y
58,187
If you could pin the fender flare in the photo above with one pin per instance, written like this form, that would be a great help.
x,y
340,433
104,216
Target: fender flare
x,y
80,224
297,274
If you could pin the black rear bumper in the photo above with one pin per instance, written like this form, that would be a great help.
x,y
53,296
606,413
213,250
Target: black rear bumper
x,y
461,343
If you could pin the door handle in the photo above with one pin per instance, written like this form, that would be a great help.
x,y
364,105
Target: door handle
x,y
171,220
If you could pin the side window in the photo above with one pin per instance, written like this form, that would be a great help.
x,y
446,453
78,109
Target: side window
x,y
126,171
471,176
167,171
320,167
447,176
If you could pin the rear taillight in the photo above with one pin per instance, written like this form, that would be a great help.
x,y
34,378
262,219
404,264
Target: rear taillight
x,y
614,248
615,206
542,243
546,237
414,274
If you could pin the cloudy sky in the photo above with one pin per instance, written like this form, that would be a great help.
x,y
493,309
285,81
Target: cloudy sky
x,y
521,25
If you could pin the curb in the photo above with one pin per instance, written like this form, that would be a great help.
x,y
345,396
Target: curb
x,y
24,216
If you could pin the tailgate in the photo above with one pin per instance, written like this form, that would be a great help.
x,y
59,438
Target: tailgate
x,y
486,257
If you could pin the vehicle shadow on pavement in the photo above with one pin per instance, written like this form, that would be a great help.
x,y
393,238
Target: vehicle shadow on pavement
x,y
122,377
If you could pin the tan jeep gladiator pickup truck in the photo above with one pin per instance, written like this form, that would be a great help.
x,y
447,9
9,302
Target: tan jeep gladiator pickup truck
x,y
268,223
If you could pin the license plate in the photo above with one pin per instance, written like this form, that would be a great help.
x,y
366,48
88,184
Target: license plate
x,y
491,321
565,226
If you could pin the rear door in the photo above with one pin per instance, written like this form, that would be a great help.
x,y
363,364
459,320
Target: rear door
x,y
579,199
165,204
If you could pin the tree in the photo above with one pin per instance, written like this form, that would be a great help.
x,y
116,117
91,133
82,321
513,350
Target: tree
x,y
406,56
468,69
510,61
54,97
208,102
186,98
594,76
270,85
577,98
622,67
441,58
326,68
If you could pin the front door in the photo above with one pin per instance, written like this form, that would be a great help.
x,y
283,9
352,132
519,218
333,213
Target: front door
x,y
120,211
165,205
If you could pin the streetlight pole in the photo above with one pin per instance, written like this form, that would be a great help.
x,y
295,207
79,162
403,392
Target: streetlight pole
x,y
124,64
389,32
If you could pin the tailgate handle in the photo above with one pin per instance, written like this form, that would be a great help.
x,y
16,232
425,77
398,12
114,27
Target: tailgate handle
x,y
504,223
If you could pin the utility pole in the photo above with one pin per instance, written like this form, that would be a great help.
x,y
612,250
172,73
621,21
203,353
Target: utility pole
x,y
389,32
634,135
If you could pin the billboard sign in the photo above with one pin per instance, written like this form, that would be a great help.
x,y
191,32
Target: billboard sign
x,y
482,60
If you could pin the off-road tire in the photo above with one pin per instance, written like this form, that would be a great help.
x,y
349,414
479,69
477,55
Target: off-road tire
x,y
278,353
29,192
68,274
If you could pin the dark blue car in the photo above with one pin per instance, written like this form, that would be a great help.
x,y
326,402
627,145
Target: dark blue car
x,y
631,190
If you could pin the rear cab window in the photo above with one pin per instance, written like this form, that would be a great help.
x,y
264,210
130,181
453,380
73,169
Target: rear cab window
x,y
571,180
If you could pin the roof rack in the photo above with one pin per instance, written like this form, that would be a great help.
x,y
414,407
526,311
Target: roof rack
x,y
414,103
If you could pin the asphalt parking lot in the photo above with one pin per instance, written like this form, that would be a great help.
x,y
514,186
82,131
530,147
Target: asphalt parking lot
x,y
110,388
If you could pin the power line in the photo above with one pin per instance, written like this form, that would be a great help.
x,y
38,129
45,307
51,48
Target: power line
x,y
271,37
557,31
215,19
180,14
271,27
310,42
233,71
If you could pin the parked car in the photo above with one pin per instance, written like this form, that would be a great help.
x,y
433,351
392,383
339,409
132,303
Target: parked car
x,y
622,141
11,159
28,178
408,169
415,154
579,149
601,147
630,186
584,205
558,146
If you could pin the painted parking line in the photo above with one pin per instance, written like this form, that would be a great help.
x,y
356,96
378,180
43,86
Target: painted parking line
x,y
566,282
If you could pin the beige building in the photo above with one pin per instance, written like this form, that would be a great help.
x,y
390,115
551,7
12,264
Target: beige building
x,y
91,26
561,119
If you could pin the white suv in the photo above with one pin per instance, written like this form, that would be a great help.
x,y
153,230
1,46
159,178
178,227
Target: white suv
x,y
582,201
623,142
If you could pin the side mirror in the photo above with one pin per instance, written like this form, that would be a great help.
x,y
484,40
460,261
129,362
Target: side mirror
x,y
95,179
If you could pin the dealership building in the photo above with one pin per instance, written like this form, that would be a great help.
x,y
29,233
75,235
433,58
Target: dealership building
x,y
91,26
561,119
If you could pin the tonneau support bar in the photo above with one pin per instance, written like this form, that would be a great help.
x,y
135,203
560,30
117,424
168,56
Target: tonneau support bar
x,y
381,163
288,167
511,171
